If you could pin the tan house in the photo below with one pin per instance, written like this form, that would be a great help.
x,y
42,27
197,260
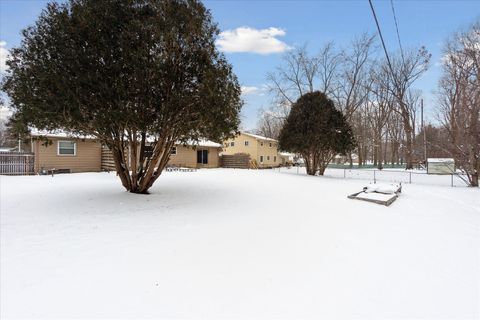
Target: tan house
x,y
262,150
66,153
204,154
86,154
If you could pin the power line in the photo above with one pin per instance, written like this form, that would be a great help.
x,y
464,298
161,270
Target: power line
x,y
396,27
383,42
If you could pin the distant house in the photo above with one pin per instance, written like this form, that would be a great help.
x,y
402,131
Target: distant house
x,y
262,150
70,153
287,158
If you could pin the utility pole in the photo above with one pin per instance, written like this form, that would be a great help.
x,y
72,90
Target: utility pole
x,y
424,134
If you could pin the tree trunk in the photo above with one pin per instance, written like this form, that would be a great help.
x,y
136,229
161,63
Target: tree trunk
x,y
144,171
360,156
474,180
321,170
379,154
309,165
408,139
408,150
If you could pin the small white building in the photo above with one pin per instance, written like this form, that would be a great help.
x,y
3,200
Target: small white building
x,y
286,158
440,166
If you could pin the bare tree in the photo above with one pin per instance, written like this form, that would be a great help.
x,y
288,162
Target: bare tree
x,y
459,100
395,133
294,77
378,111
351,83
341,74
404,70
271,122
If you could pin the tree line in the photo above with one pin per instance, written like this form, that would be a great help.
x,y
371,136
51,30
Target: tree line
x,y
380,102
134,73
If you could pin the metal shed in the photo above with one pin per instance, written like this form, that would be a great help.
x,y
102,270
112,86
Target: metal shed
x,y
440,166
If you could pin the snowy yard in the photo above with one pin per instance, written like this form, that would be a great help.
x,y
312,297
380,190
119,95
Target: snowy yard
x,y
236,244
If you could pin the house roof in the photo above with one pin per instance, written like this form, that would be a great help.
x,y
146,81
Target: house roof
x,y
258,137
58,134
63,134
286,154
440,160
203,143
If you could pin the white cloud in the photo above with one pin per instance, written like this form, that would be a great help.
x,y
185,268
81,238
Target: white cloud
x,y
252,90
246,39
249,90
3,56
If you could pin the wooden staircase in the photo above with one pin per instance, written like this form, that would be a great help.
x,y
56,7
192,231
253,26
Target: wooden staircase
x,y
253,164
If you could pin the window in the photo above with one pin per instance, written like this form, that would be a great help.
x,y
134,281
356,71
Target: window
x,y
270,144
202,156
261,159
67,148
232,144
268,158
173,151
246,143
274,158
261,144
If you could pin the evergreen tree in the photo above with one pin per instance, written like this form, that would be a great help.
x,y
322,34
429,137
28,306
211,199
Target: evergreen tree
x,y
128,72
316,130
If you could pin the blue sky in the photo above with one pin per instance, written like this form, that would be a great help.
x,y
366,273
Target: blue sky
x,y
295,23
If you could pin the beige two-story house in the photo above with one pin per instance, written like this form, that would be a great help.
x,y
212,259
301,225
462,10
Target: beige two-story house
x,y
262,150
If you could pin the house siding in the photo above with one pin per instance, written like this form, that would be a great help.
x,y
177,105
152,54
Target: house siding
x,y
254,149
239,146
90,156
187,157
87,157
270,155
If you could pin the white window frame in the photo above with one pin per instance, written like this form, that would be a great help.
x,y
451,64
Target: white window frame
x,y
270,145
268,158
173,151
274,158
67,155
247,143
261,159
261,144
232,144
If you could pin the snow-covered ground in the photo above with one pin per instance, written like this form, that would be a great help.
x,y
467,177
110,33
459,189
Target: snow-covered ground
x,y
235,244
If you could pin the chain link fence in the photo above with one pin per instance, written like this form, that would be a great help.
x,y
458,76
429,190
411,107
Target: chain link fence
x,y
387,175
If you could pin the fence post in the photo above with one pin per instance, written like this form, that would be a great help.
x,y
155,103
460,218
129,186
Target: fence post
x,y
374,177
344,173
452,179
410,178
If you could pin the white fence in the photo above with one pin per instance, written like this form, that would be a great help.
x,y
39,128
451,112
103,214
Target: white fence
x,y
387,175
